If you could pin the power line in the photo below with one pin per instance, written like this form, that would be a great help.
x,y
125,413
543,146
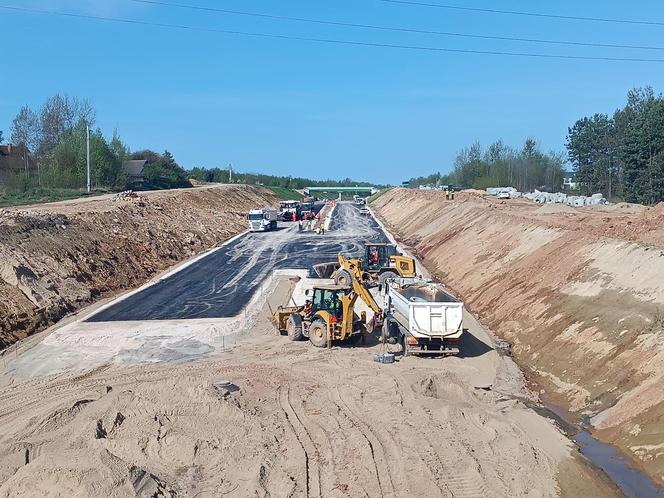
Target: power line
x,y
391,28
529,14
328,40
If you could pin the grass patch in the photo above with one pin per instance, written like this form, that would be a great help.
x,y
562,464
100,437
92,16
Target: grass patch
x,y
286,194
372,198
39,196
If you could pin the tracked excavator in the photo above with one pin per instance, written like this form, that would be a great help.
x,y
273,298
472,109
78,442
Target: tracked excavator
x,y
380,263
329,314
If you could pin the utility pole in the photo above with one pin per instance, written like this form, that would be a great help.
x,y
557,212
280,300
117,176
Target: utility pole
x,y
87,133
230,173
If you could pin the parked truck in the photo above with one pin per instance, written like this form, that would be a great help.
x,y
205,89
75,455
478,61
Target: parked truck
x,y
422,317
262,220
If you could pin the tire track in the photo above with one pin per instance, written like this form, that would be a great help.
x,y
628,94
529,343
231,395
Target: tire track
x,y
465,484
378,452
312,469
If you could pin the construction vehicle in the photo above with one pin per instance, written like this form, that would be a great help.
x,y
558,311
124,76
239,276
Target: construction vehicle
x,y
306,211
288,209
329,314
262,220
380,263
422,317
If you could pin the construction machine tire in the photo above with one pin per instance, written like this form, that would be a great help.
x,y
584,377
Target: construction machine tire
x,y
343,278
384,277
318,333
294,328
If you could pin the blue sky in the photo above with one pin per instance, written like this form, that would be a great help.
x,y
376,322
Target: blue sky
x,y
324,110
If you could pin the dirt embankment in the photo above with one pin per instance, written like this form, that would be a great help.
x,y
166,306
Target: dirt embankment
x,y
578,294
55,258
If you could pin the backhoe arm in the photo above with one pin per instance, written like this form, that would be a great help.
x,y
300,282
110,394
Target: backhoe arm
x,y
354,267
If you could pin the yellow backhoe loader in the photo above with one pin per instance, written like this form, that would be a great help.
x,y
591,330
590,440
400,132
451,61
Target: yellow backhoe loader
x,y
380,263
329,314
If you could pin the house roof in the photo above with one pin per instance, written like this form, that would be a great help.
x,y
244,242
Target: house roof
x,y
134,167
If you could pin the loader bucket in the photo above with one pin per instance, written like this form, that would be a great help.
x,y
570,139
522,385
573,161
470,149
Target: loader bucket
x,y
325,270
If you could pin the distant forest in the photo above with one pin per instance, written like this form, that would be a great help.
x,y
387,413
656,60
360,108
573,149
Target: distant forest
x,y
500,165
621,156
223,176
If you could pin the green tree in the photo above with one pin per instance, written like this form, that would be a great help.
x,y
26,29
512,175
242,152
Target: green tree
x,y
644,154
503,166
161,170
622,155
593,152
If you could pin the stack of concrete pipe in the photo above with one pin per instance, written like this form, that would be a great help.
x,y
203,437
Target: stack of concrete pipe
x,y
550,198
561,198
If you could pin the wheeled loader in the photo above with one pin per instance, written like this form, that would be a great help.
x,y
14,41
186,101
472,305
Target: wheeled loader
x,y
329,314
379,263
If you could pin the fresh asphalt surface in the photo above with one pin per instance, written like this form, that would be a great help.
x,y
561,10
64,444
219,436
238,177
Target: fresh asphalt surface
x,y
220,284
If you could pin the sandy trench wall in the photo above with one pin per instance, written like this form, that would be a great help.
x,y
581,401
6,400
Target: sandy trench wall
x,y
578,294
55,258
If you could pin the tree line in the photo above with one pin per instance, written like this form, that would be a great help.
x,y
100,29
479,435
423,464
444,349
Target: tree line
x,y
53,143
622,155
500,165
53,140
619,155
223,175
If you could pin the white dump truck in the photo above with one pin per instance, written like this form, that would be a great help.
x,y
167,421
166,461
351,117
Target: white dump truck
x,y
422,317
262,220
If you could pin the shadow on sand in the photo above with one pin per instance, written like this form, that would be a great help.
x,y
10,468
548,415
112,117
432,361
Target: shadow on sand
x,y
471,347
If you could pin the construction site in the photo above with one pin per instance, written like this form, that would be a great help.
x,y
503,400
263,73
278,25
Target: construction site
x,y
158,344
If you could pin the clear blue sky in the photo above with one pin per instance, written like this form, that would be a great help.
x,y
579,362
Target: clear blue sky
x,y
324,110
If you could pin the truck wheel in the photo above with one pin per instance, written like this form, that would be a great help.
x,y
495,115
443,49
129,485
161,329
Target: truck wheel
x,y
343,278
294,327
384,277
318,333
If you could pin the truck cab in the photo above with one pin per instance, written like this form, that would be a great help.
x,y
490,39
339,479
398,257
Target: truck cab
x,y
262,220
384,258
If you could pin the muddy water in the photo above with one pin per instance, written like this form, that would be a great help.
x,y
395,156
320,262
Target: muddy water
x,y
631,481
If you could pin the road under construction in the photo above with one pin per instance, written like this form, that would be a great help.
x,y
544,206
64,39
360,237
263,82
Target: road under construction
x,y
182,387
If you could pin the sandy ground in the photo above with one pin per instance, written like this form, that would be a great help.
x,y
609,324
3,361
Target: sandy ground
x,y
577,292
295,421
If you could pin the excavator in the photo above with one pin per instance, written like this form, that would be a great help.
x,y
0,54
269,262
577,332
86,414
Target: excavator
x,y
380,263
329,314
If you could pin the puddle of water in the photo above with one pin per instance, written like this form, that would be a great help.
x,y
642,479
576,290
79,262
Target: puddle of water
x,y
632,482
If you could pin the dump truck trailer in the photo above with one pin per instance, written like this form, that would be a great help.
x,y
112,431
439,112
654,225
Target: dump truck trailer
x,y
422,317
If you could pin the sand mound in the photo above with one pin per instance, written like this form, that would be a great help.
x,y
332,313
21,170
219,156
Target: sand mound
x,y
551,208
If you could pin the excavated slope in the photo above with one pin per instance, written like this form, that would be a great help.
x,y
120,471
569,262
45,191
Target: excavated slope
x,y
55,258
578,293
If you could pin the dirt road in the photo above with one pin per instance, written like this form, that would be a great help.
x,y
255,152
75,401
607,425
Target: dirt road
x,y
296,421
